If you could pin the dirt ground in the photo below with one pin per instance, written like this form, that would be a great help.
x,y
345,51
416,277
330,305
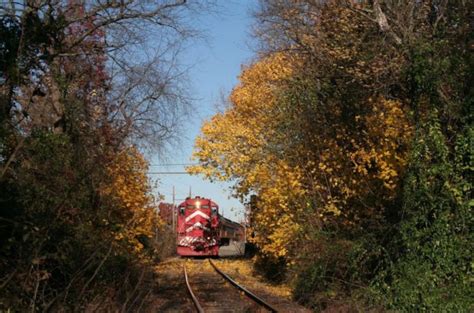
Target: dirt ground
x,y
214,293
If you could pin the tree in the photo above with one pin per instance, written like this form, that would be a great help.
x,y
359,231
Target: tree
x,y
341,128
77,225
62,32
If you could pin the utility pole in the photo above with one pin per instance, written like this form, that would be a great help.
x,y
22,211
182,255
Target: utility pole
x,y
173,211
190,191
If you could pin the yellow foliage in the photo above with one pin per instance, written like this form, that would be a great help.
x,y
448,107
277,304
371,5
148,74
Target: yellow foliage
x,y
233,146
328,177
388,129
130,189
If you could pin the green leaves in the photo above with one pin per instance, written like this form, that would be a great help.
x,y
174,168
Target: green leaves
x,y
430,268
363,138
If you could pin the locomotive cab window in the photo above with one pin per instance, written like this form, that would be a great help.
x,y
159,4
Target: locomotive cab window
x,y
190,206
181,210
214,210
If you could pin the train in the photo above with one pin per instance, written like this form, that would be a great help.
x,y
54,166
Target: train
x,y
202,231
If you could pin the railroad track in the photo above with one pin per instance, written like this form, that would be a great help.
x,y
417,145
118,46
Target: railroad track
x,y
222,302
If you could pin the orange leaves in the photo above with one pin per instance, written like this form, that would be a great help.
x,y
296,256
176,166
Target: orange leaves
x,y
362,166
234,145
129,183
130,189
384,148
274,222
307,138
231,143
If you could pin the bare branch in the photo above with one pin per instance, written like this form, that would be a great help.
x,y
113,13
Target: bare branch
x,y
383,23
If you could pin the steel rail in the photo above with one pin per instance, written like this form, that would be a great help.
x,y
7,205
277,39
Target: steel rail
x,y
246,291
195,300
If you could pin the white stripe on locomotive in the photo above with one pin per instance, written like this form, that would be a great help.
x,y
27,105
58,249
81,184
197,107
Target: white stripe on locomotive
x,y
196,225
196,213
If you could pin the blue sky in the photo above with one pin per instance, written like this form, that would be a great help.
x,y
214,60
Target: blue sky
x,y
216,63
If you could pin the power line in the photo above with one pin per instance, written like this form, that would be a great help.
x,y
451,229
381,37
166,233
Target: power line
x,y
169,173
175,164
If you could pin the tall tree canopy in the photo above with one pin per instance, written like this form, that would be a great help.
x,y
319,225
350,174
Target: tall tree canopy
x,y
83,85
352,113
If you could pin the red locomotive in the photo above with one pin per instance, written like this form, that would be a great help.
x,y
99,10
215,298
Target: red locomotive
x,y
198,227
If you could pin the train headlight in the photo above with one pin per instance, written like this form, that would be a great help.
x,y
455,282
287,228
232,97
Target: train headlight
x,y
198,204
